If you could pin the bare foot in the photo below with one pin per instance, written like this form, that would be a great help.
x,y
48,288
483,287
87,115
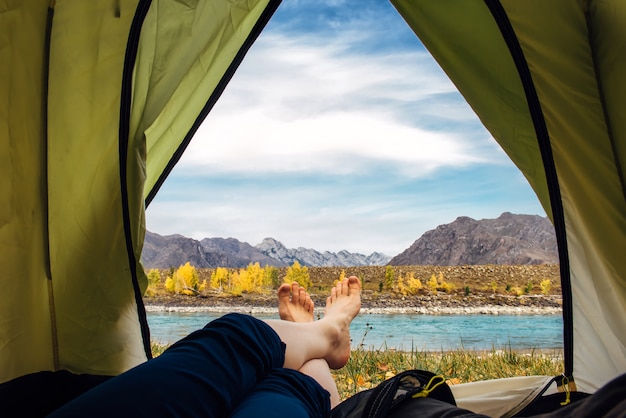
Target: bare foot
x,y
342,306
294,303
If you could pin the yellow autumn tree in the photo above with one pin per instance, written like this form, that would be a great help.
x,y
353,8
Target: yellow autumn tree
x,y
219,278
390,277
400,286
256,277
248,280
432,283
270,277
299,274
235,286
154,279
169,284
186,280
413,285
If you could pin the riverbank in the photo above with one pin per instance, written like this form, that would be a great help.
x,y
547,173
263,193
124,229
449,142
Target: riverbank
x,y
471,290
371,304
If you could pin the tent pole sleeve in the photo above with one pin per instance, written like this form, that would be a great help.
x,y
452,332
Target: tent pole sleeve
x,y
46,239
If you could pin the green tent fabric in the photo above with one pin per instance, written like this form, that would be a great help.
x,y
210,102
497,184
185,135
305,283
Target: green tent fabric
x,y
546,79
100,98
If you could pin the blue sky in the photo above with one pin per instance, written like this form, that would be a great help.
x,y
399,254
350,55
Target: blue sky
x,y
338,131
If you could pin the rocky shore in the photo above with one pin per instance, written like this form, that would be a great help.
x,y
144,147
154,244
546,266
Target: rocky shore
x,y
372,304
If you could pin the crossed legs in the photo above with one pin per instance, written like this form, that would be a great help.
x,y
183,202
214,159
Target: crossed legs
x,y
216,370
295,304
305,393
328,338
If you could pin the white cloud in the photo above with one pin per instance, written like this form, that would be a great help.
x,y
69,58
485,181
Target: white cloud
x,y
332,73
300,106
335,143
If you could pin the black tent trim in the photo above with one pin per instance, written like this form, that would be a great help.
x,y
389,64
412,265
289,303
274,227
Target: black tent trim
x,y
543,138
125,104
46,215
219,89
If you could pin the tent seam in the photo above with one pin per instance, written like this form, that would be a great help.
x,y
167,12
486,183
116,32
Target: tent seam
x,y
611,137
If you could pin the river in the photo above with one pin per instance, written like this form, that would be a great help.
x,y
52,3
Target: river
x,y
407,332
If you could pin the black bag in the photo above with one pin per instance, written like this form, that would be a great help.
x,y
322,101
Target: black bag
x,y
394,394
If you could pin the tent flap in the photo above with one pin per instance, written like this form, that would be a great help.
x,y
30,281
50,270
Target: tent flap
x,y
83,135
572,64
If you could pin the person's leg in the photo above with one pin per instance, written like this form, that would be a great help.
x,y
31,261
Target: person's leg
x,y
285,393
209,372
306,392
319,371
328,338
295,304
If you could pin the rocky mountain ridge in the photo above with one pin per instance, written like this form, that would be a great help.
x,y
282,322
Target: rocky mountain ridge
x,y
507,240
308,257
175,250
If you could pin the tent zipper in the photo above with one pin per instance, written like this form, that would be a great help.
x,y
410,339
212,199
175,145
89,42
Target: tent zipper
x,y
46,206
543,139
124,131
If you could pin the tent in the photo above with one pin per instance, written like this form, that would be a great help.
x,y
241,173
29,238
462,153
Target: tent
x,y
101,97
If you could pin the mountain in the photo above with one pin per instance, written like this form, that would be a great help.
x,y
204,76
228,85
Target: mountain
x,y
508,239
230,252
310,257
174,250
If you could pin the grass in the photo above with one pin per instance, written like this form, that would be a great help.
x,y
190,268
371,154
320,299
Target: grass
x,y
367,368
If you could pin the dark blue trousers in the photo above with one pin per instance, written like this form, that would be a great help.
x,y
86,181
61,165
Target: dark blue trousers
x,y
230,368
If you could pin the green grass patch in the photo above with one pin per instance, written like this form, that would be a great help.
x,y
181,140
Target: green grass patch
x,y
367,368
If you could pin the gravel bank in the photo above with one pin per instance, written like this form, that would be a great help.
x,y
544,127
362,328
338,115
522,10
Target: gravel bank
x,y
418,305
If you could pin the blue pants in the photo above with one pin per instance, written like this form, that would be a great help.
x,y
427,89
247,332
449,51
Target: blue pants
x,y
230,368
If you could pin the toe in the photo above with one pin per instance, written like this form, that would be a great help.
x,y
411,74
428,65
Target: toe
x,y
354,284
302,294
343,288
284,291
295,292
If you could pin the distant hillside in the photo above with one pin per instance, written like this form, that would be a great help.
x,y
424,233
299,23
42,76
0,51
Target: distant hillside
x,y
509,239
175,250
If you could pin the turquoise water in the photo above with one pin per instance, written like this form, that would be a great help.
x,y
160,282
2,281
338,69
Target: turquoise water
x,y
420,332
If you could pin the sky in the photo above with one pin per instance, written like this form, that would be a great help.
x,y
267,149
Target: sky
x,y
338,131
